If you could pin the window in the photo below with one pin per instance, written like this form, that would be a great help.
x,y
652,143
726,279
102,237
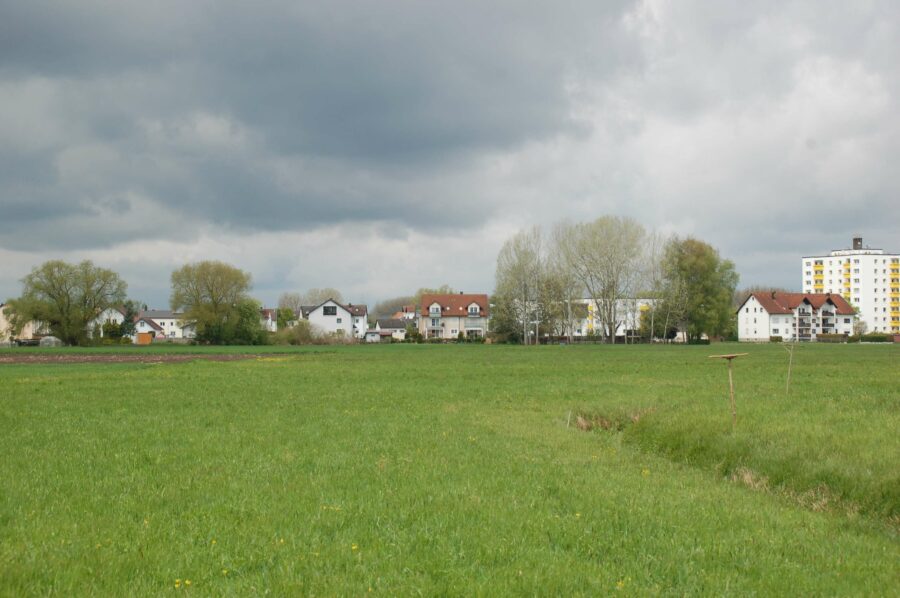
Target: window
x,y
339,320
774,331
329,310
473,310
434,322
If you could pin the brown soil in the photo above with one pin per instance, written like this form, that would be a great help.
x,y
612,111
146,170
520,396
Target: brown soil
x,y
123,358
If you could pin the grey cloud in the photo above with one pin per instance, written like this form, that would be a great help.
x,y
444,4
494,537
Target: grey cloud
x,y
743,123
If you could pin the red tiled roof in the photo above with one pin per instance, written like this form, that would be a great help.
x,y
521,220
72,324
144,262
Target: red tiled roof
x,y
455,305
356,310
785,303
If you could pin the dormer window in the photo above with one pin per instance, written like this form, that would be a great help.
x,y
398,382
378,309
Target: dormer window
x,y
434,309
474,310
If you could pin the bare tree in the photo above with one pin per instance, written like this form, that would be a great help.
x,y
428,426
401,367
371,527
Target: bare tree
x,y
292,302
569,286
519,276
605,257
654,275
317,296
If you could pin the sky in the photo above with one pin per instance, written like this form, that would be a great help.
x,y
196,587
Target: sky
x,y
379,147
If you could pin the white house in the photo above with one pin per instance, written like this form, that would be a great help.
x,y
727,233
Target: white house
x,y
868,279
395,327
164,324
268,319
110,315
446,315
793,316
29,330
331,317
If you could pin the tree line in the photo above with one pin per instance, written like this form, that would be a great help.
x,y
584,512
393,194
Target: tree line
x,y
67,299
543,276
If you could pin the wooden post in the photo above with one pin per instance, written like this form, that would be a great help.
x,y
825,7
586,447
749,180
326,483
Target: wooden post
x,y
787,387
731,392
729,358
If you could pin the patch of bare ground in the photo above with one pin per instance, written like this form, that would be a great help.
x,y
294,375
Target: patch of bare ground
x,y
63,358
586,421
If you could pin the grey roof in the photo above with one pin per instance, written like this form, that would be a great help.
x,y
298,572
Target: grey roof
x,y
391,324
354,310
161,313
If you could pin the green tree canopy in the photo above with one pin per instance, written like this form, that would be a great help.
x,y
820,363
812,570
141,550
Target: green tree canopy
x,y
213,295
708,284
66,298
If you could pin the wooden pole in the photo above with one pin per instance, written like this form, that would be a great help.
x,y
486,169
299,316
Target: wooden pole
x,y
787,388
731,391
729,358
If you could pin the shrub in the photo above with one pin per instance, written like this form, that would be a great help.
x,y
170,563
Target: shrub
x,y
872,338
698,341
775,339
831,338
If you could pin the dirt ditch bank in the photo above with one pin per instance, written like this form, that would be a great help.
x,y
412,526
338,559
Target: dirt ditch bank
x,y
38,358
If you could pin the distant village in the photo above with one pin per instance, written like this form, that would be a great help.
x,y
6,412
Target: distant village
x,y
848,292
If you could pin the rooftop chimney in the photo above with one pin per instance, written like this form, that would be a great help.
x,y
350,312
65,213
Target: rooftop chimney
x,y
857,242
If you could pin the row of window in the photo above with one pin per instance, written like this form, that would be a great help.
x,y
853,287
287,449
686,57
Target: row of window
x,y
894,260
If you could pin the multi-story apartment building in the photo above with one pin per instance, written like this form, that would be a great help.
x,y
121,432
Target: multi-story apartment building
x,y
793,316
446,316
868,278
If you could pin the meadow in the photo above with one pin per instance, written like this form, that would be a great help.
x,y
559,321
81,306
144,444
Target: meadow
x,y
454,470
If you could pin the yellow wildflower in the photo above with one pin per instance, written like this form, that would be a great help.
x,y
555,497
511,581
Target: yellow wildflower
x,y
187,582
354,547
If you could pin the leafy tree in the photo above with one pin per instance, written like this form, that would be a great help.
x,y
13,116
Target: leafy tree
x,y
212,295
111,330
67,298
284,316
248,329
131,309
292,302
705,282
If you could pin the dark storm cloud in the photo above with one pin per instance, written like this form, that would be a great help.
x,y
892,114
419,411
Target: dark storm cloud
x,y
766,128
386,95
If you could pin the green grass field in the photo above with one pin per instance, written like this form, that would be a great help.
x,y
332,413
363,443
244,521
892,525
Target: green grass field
x,y
454,470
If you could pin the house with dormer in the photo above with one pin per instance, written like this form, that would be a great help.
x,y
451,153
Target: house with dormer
x,y
445,316
331,317
794,316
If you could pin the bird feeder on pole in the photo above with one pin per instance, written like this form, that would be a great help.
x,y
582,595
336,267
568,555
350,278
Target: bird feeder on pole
x,y
729,358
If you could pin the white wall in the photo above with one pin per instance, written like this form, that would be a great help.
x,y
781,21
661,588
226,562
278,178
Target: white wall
x,y
754,322
871,274
341,323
